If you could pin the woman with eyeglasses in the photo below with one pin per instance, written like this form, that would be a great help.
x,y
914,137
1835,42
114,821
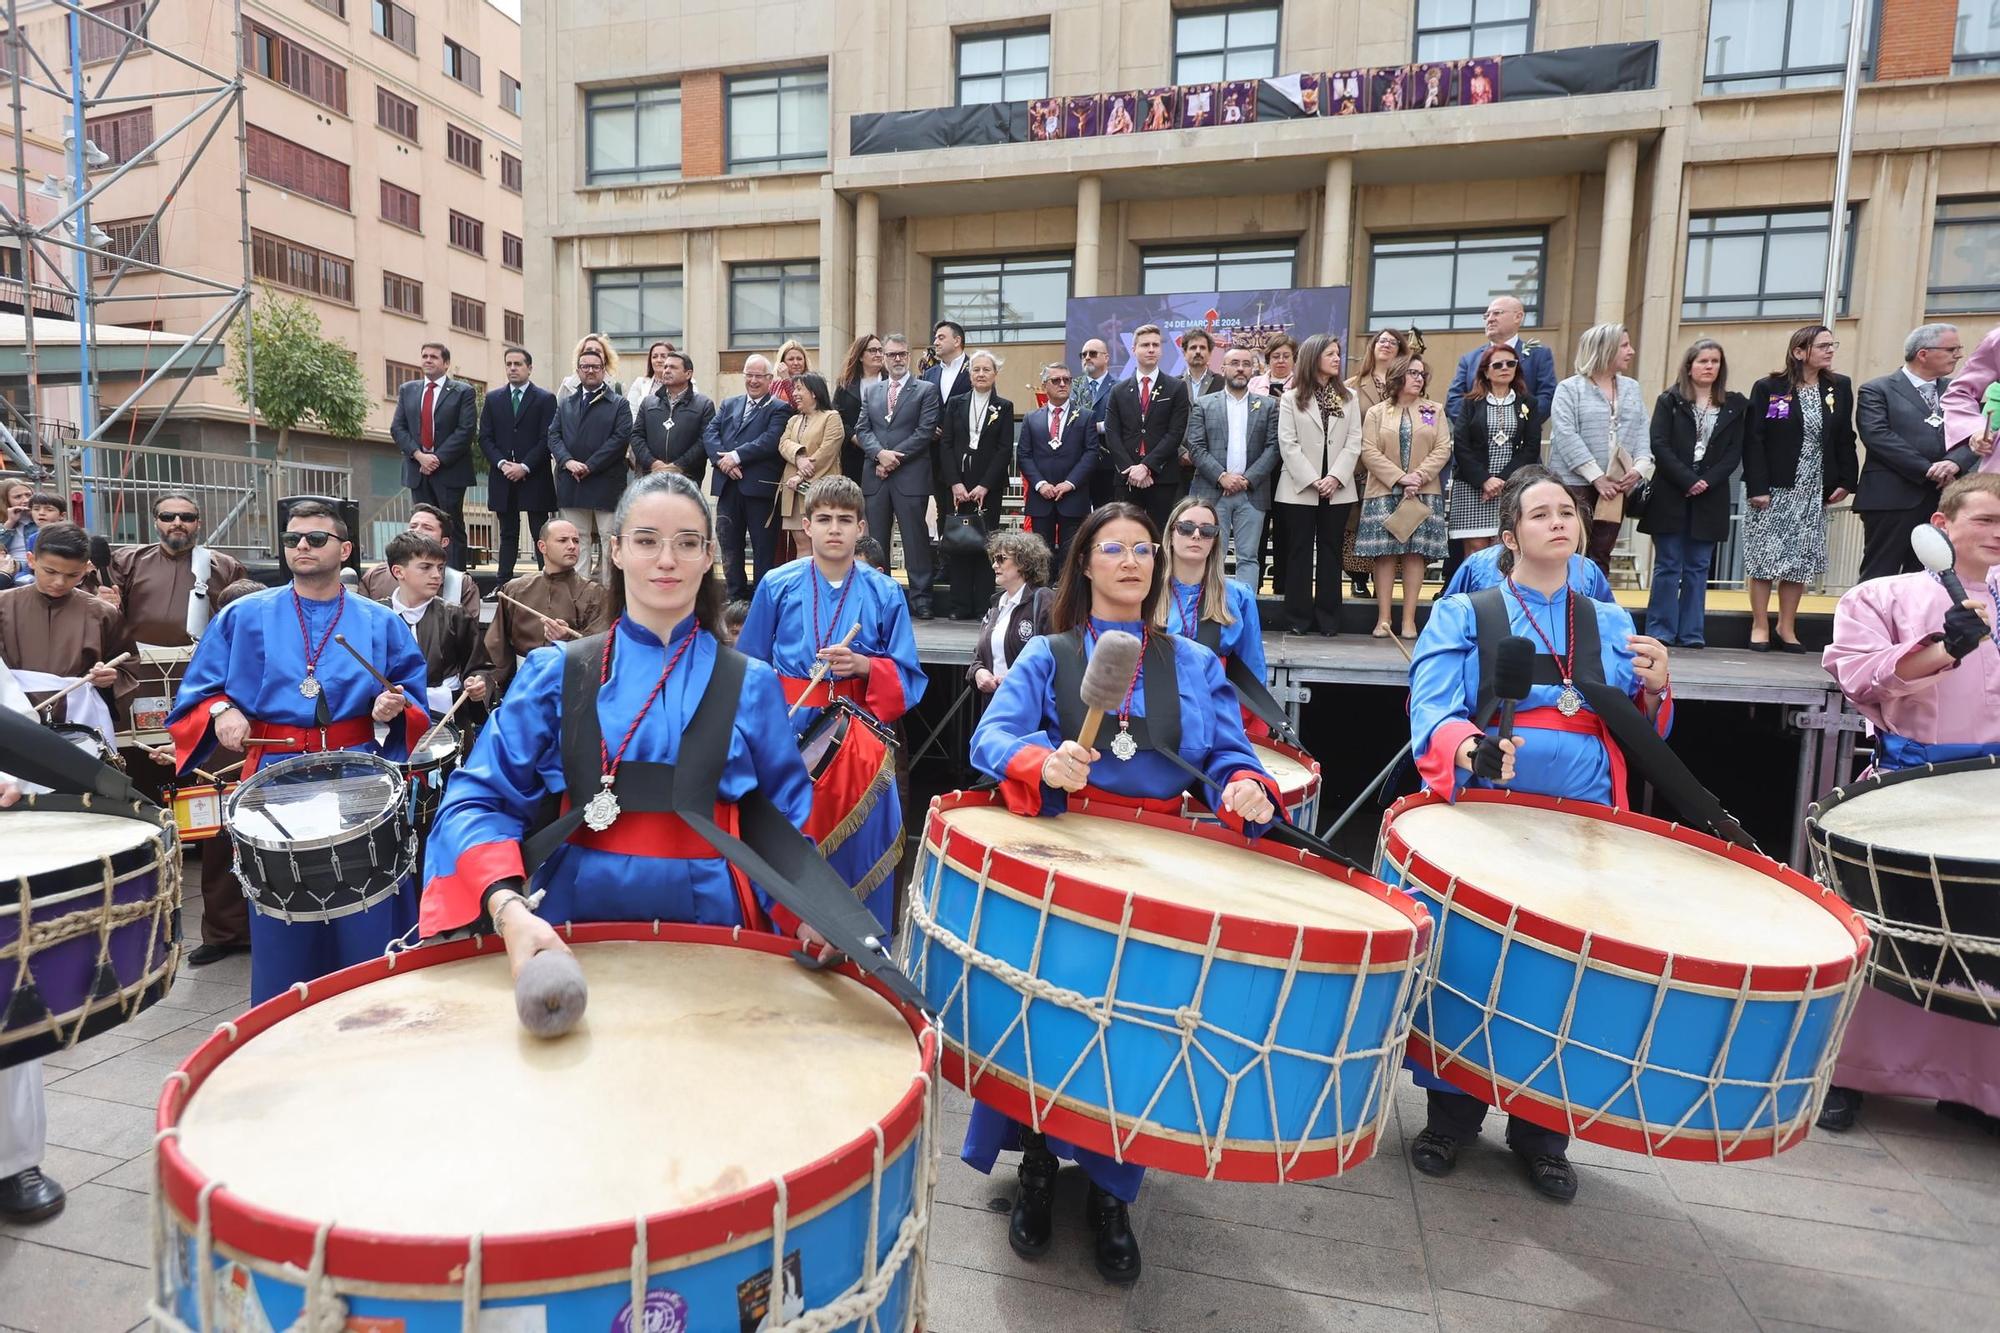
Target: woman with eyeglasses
x,y
861,367
1405,443
1020,611
1499,432
1112,579
661,689
1218,613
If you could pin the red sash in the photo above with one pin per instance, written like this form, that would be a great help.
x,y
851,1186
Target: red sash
x,y
667,837
349,734
824,693
1585,723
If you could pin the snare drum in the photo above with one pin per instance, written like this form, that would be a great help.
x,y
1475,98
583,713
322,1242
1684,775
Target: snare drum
x,y
1161,991
321,836
851,759
198,810
89,923
1915,855
1624,980
661,1180
91,741
426,773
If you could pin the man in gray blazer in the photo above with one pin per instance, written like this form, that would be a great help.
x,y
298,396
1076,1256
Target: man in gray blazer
x,y
1232,436
433,425
1900,419
899,416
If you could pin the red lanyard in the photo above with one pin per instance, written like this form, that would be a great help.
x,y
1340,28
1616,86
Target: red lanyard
x,y
1190,611
1566,663
305,635
820,642
611,761
1145,642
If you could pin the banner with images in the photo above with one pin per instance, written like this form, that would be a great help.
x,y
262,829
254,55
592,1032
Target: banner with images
x,y
1234,319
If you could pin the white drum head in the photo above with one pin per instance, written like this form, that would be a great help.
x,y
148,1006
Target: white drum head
x,y
698,1071
39,841
1615,880
1289,773
1179,868
1941,814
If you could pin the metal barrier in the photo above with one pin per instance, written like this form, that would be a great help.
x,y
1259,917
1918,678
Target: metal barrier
x,y
238,494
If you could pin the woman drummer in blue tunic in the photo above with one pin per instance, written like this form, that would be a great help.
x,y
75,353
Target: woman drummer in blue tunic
x,y
1561,746
1112,579
1218,613
647,686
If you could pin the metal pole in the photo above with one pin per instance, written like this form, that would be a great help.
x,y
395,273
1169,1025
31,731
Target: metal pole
x,y
249,273
1836,246
29,255
86,390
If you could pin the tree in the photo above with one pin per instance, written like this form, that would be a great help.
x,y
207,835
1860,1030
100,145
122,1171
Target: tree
x,y
302,376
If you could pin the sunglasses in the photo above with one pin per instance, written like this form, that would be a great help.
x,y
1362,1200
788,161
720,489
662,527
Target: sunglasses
x,y
1501,365
1187,527
1057,379
1139,550
315,540
179,516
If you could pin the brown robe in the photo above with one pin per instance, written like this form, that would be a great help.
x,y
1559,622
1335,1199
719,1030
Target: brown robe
x,y
378,583
153,586
569,597
64,636
449,639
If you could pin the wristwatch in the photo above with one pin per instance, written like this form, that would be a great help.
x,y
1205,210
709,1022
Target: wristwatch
x,y
219,707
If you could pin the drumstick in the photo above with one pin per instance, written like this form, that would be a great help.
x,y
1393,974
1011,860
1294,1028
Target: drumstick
x,y
819,672
271,742
366,665
76,685
515,601
442,722
1401,647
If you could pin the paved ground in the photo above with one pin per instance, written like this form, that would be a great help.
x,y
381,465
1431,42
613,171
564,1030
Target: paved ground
x,y
1892,1226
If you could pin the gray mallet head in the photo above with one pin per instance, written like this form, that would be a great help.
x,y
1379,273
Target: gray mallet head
x,y
550,995
1108,673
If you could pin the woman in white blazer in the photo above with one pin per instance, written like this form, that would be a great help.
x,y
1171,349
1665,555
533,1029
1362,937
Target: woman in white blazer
x,y
1319,442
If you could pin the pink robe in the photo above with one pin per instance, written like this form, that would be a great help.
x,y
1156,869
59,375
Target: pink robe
x,y
1962,415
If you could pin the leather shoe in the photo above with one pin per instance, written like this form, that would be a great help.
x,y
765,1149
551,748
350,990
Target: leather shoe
x,y
1433,1153
1838,1111
921,609
205,954
1550,1173
30,1196
1785,645
1033,1222
1117,1247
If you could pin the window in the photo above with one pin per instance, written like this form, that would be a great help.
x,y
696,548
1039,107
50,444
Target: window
x,y
1003,300
301,267
123,136
395,115
1445,282
513,327
399,374
294,167
769,303
777,122
1760,44
468,233
1214,44
10,259
394,22
464,148
632,134
136,238
337,8
510,172
468,315
1003,67
1461,29
1234,269
403,295
510,251
305,71
402,207
510,93
1965,255
636,306
462,64
102,43
1760,265
1975,45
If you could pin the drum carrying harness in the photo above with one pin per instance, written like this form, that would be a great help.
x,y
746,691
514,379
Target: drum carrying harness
x,y
1251,692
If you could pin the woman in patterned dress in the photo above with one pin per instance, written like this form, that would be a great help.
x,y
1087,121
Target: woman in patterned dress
x,y
1370,385
1499,432
1405,443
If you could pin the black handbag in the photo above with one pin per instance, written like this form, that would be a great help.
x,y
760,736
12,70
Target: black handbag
x,y
962,534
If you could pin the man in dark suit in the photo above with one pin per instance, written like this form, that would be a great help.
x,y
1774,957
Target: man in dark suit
x,y
514,436
673,419
589,438
1900,419
1057,454
1092,395
898,430
741,440
949,375
1198,346
1503,327
1144,428
433,427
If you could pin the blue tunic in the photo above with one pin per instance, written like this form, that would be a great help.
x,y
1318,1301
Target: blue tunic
x,y
491,803
1244,639
1481,569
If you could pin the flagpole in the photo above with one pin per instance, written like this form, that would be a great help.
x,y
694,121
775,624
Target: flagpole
x,y
1837,238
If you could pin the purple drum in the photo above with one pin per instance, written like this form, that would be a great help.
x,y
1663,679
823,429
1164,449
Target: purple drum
x,y
90,921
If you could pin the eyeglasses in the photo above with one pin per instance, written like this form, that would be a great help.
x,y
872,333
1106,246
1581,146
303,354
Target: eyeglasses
x,y
1057,379
1826,347
1499,365
647,544
1187,527
903,355
1139,550
179,516
313,539
872,347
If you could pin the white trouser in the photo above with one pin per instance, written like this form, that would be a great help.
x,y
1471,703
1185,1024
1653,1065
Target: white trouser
x,y
24,1119
594,526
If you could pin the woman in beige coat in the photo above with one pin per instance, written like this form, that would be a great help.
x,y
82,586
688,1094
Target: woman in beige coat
x,y
1405,444
1318,442
810,447
1371,385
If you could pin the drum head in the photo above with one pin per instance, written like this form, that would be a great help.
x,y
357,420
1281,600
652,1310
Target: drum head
x,y
1625,883
440,747
314,800
1928,814
1288,772
41,841
1184,869
663,1098
87,739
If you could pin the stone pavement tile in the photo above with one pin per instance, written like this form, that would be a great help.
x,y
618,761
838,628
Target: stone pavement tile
x,y
1385,1175
1460,1312
1804,1244
1976,1203
51,1075
87,1053
175,1047
130,1078
46,1290
1831,1157
1580,1228
1169,1301
1332,1214
974,1238
234,970
1487,1164
70,1167
99,1221
1863,1304
1910,1212
967,1300
1586,1285
110,1128
157,1021
960,1184
135,1175
1905,1115
205,997
1287,1261
1964,1159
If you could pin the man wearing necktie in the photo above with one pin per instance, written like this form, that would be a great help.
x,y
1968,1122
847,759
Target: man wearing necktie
x,y
1144,427
433,428
1057,456
1900,419
1091,396
514,436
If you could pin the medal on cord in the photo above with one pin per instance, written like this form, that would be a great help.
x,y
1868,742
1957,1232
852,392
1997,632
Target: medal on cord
x,y
602,810
1570,702
1124,745
309,687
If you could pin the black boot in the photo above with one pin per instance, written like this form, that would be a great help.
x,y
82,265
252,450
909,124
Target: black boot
x,y
1028,1230
1117,1247
29,1196
1837,1112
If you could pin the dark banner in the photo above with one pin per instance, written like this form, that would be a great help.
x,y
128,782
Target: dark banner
x,y
1579,71
1234,319
945,127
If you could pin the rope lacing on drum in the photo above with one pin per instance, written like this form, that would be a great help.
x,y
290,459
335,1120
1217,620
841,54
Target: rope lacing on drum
x,y
1184,1024
1951,945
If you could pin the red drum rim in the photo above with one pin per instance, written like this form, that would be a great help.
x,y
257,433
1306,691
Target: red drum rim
x,y
1689,968
1297,756
1071,892
522,1257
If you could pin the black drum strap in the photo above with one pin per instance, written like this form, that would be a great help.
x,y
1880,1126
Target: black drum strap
x,y
35,754
1160,728
1491,624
